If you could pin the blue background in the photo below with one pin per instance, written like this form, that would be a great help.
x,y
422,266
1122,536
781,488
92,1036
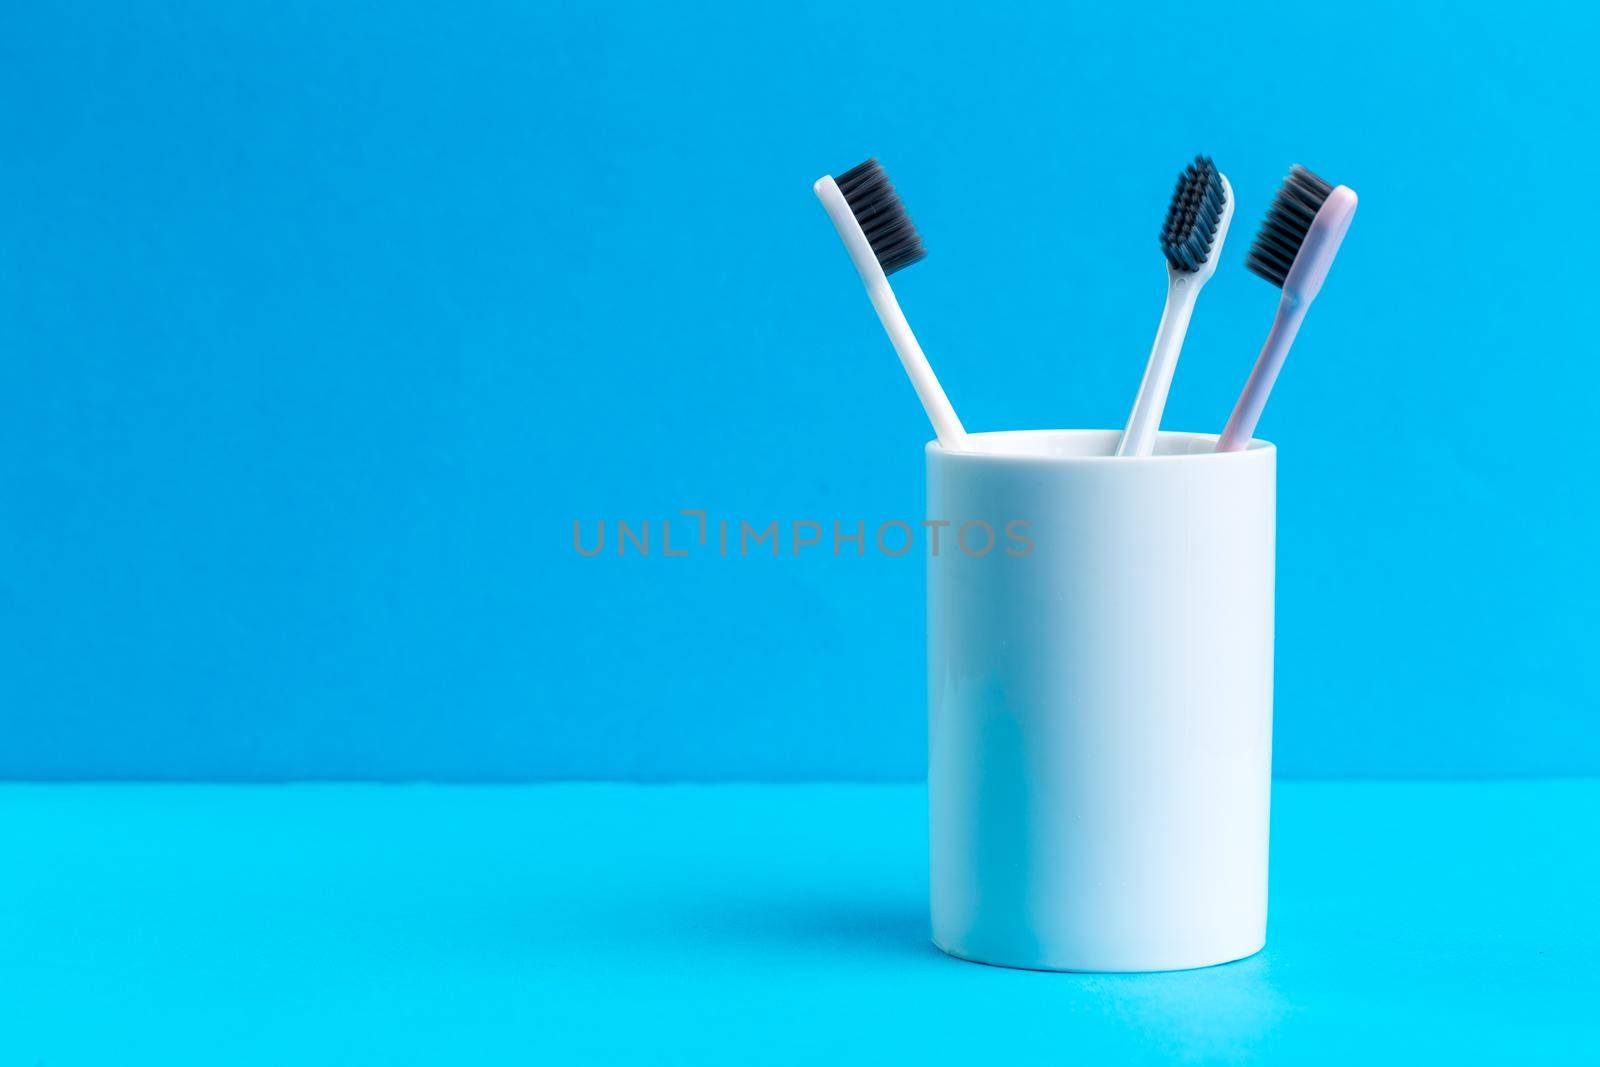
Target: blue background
x,y
321,324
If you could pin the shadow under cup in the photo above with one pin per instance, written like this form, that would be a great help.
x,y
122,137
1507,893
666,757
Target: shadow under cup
x,y
1100,701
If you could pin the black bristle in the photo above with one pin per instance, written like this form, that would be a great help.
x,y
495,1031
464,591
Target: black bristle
x,y
1193,215
882,216
1284,229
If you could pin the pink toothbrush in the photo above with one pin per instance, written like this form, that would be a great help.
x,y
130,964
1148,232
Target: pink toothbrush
x,y
1293,250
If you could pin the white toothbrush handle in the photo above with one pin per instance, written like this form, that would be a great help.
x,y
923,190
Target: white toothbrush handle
x,y
1247,412
1139,438
945,424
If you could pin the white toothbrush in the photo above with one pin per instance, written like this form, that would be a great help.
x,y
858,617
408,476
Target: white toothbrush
x,y
1293,250
880,238
1191,238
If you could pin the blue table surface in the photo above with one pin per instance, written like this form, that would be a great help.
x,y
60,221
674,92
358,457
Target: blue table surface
x,y
474,925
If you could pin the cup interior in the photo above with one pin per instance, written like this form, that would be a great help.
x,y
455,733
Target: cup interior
x,y
1090,445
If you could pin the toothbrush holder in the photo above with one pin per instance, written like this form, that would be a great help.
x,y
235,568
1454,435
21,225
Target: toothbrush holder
x,y
1100,700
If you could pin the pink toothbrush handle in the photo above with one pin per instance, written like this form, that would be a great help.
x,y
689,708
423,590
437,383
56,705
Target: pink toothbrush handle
x,y
1247,412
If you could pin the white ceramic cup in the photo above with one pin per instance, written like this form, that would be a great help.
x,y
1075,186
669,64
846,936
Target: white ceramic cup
x,y
1100,700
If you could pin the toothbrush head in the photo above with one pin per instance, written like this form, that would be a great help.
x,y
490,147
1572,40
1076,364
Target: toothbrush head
x,y
881,216
1197,217
1301,233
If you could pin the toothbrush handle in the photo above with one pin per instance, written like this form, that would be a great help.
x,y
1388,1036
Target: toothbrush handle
x,y
946,426
1247,412
1139,438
